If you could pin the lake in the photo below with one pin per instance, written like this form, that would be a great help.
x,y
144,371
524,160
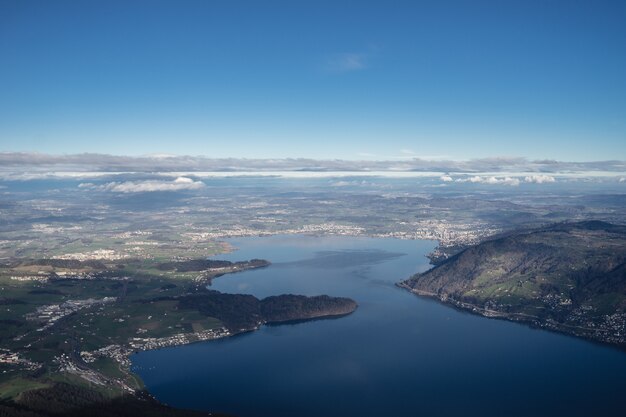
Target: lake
x,y
397,355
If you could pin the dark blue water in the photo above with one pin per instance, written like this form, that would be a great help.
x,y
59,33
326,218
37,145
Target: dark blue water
x,y
397,355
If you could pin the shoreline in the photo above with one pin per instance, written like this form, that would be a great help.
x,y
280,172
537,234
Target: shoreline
x,y
130,383
120,354
123,353
533,322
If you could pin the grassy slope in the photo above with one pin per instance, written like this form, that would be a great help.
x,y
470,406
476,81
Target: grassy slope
x,y
572,274
148,306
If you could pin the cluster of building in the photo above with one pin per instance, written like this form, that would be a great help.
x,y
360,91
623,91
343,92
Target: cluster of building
x,y
142,243
48,228
8,357
330,228
447,233
66,364
617,323
135,233
44,276
148,343
52,313
38,278
242,231
556,300
98,254
610,328
118,353
450,234
121,354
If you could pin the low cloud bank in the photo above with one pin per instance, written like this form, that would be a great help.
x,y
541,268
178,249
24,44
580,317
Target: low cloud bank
x,y
506,180
16,163
490,180
179,184
539,179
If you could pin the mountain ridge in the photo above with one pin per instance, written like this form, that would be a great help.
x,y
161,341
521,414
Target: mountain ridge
x,y
569,277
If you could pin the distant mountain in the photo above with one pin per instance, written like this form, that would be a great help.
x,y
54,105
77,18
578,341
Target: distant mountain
x,y
569,277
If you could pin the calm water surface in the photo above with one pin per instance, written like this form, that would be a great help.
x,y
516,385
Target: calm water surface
x,y
397,355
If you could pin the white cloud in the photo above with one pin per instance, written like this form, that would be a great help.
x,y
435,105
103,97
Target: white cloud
x,y
446,178
491,180
354,183
539,179
505,180
623,179
184,180
179,184
26,166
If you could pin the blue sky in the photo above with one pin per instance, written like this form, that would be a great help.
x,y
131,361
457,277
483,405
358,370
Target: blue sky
x,y
348,80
